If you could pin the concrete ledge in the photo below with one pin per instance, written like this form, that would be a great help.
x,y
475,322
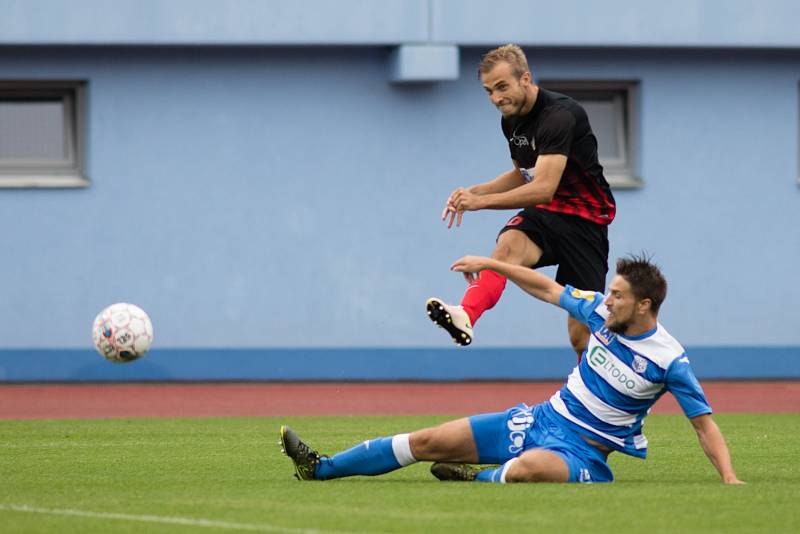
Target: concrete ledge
x,y
211,22
625,23
84,365
618,23
423,63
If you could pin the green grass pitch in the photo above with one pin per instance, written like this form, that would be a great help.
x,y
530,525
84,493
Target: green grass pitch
x,y
228,475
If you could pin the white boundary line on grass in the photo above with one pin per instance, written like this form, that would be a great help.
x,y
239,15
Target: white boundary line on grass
x,y
188,521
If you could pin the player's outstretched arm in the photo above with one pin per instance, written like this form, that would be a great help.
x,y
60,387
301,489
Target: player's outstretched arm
x,y
713,443
537,284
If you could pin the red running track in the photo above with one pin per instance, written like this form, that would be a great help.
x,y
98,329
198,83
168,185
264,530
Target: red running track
x,y
62,401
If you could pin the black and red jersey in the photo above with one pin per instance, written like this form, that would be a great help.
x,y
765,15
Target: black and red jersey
x,y
557,124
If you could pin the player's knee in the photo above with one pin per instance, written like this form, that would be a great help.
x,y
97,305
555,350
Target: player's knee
x,y
511,251
538,466
504,250
424,444
524,471
515,247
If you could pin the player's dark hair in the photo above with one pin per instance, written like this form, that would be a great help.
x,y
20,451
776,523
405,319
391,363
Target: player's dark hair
x,y
645,279
511,54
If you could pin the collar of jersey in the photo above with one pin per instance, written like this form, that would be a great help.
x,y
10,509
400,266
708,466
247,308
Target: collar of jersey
x,y
640,336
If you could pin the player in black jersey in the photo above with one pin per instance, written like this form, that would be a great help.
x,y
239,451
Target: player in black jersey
x,y
556,180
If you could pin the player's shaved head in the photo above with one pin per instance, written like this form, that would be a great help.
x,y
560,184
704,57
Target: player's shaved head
x,y
645,279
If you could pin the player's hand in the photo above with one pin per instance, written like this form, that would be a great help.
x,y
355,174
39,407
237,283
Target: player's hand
x,y
465,200
451,211
458,202
470,266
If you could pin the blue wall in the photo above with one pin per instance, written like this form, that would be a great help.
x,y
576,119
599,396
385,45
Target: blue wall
x,y
679,23
277,198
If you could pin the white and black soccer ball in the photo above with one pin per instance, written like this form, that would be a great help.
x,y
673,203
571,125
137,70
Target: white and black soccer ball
x,y
122,332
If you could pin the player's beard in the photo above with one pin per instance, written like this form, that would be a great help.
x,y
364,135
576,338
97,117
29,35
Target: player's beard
x,y
619,327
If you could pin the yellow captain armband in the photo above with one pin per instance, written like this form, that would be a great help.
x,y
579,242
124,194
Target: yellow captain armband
x,y
580,294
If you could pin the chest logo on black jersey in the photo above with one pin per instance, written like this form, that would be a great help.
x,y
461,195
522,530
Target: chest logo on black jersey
x,y
520,141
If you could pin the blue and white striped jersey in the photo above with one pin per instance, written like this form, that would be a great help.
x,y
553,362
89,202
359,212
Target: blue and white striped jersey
x,y
610,392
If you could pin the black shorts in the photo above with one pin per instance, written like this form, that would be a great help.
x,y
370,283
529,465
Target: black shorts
x,y
579,247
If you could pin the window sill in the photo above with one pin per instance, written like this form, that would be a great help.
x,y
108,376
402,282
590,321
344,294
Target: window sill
x,y
624,181
42,181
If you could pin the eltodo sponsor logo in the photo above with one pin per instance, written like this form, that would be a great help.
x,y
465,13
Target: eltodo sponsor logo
x,y
599,358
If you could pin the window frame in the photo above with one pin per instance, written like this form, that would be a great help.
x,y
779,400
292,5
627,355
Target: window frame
x,y
46,173
622,172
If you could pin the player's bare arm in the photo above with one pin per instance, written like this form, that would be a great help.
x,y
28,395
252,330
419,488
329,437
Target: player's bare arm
x,y
548,171
502,183
713,444
530,281
505,182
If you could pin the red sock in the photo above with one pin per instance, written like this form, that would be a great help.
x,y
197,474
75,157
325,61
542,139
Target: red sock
x,y
483,294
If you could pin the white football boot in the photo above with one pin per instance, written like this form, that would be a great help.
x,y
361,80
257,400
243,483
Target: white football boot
x,y
452,318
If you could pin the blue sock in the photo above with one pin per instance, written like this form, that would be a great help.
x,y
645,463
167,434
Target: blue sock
x,y
372,457
489,475
495,475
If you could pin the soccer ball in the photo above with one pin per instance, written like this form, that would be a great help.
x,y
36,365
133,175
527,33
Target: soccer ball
x,y
122,332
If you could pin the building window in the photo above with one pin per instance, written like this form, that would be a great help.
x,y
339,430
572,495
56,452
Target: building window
x,y
613,113
41,134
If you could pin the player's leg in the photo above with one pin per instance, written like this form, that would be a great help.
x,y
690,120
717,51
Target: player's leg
x,y
578,335
513,246
371,457
536,465
570,460
498,438
520,242
552,452
533,465
450,441
582,263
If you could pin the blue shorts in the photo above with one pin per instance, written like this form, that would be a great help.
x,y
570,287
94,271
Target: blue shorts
x,y
505,435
